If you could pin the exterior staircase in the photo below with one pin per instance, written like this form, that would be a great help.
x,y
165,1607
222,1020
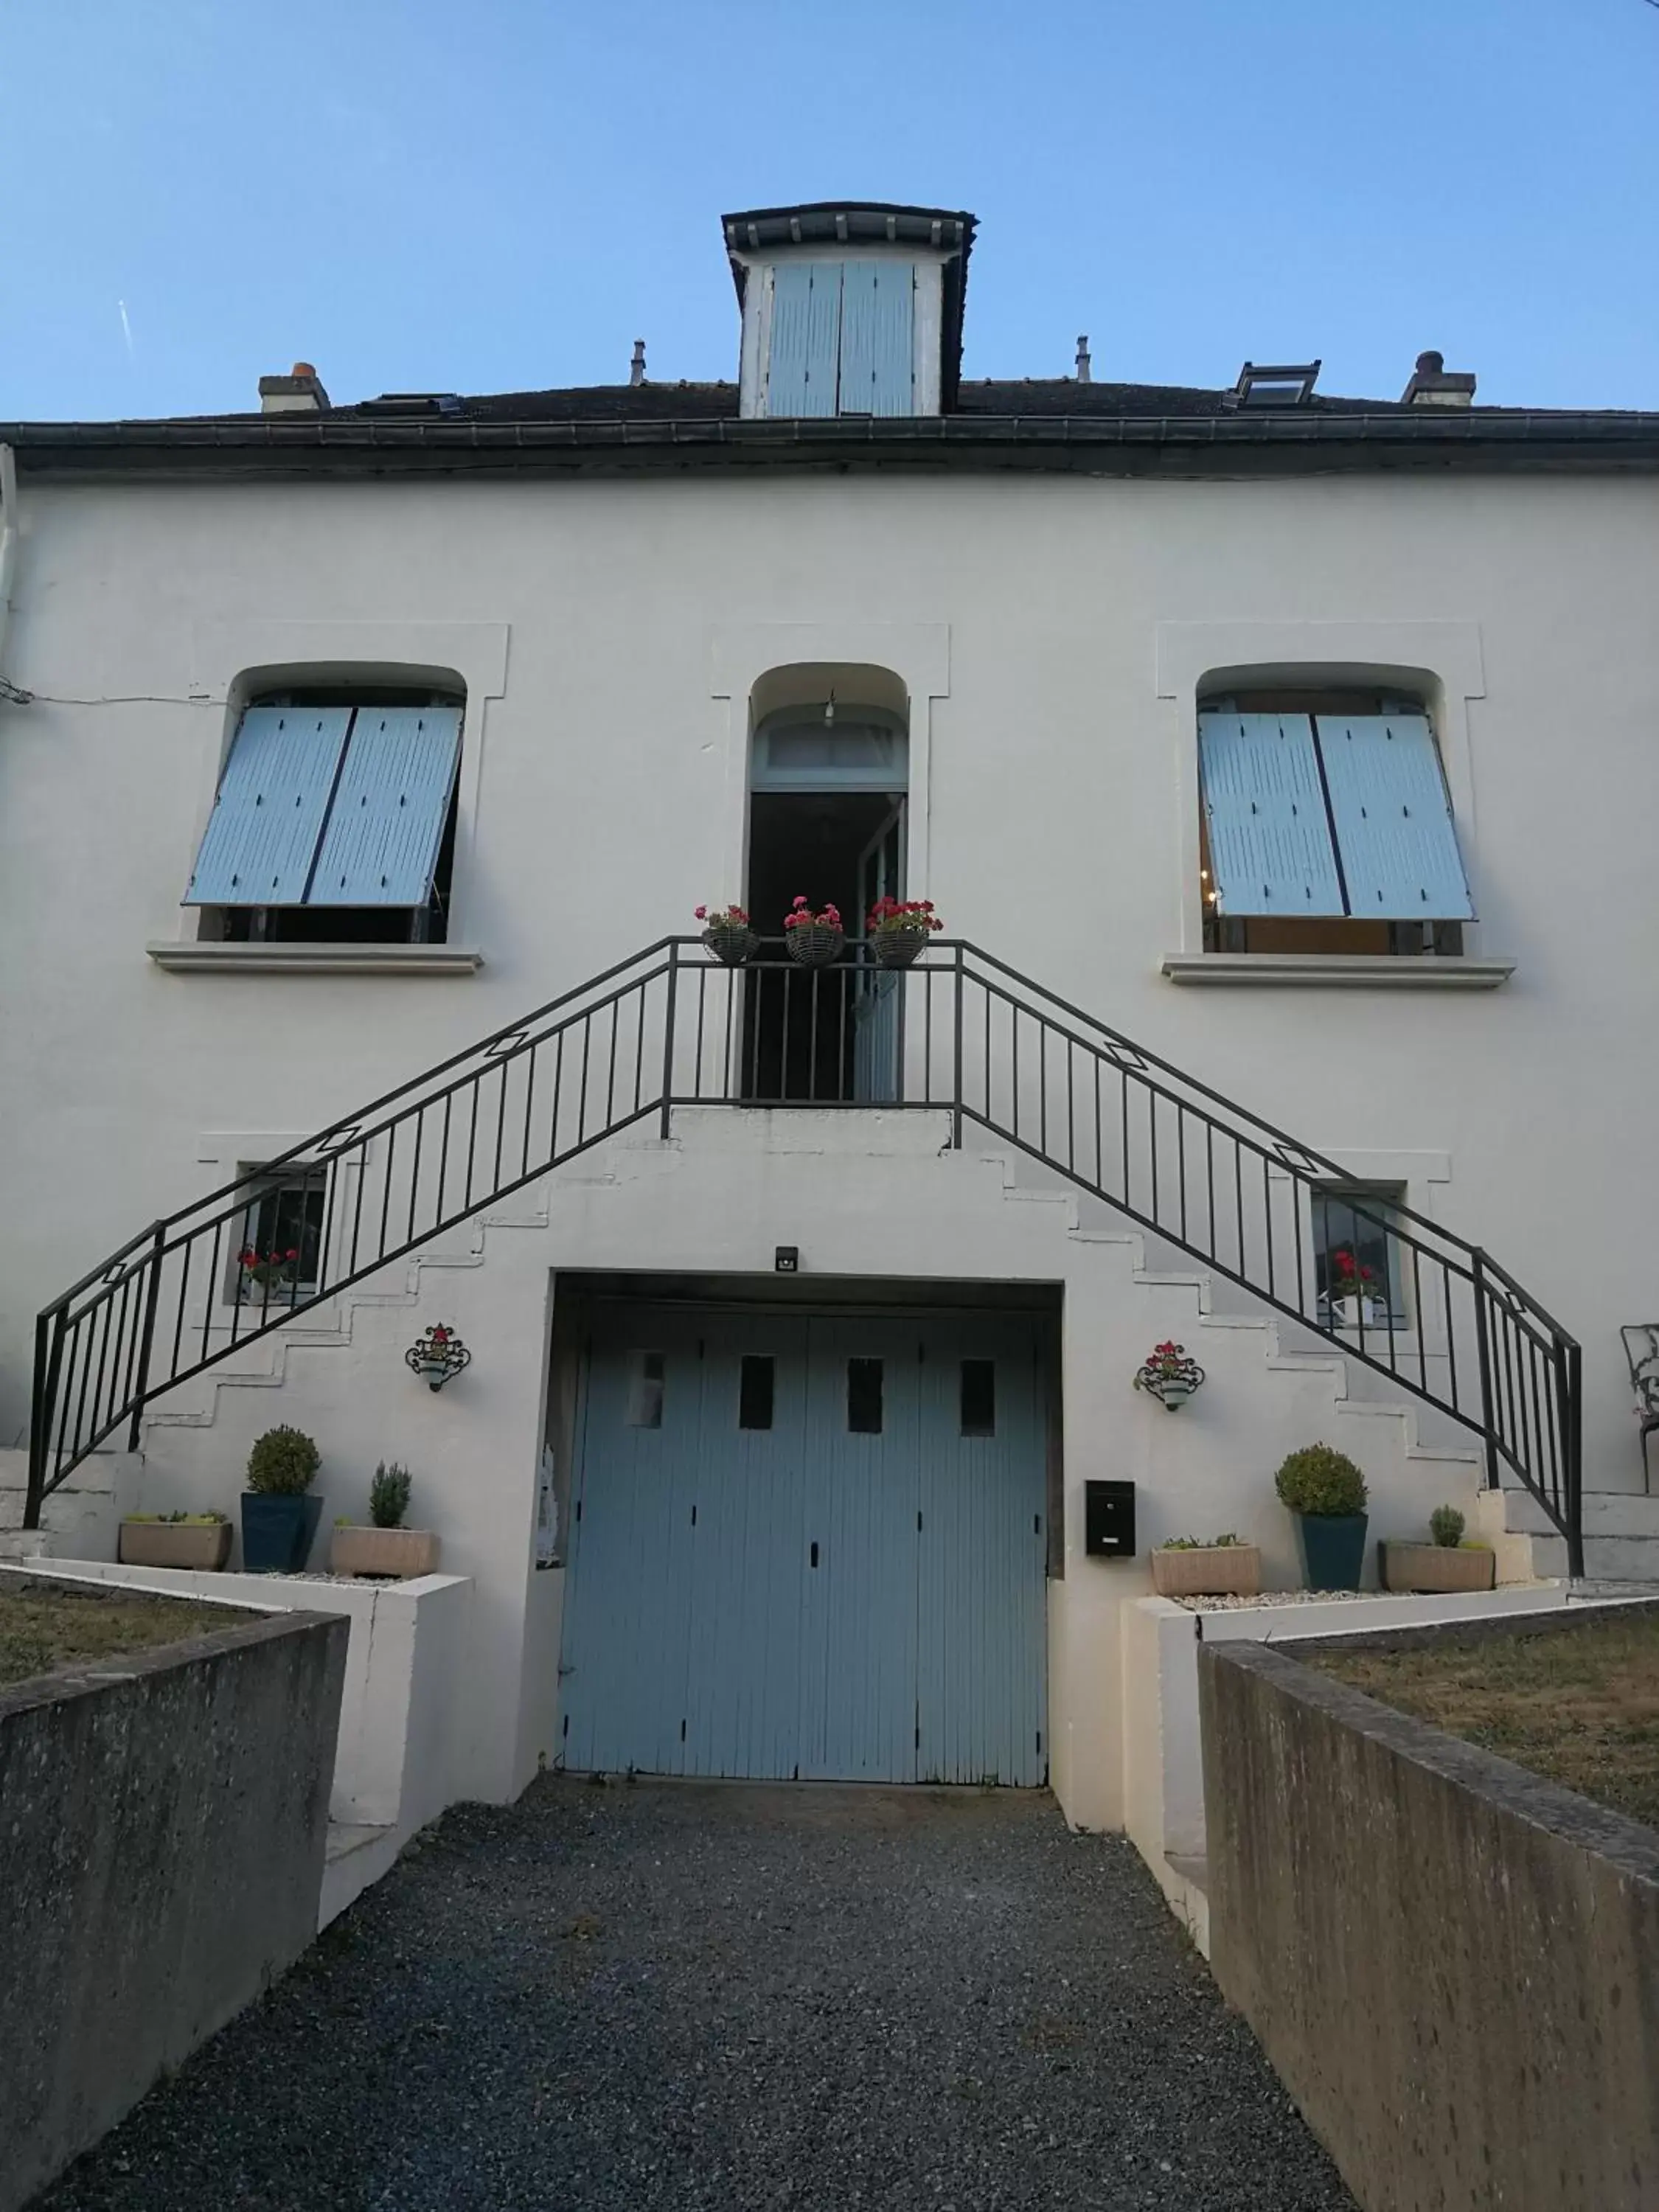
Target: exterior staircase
x,y
1201,1197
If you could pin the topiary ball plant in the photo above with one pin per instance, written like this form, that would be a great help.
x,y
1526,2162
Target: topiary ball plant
x,y
1322,1481
284,1463
1446,1526
388,1495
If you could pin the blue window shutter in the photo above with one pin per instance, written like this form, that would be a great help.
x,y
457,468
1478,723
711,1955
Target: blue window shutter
x,y
877,343
806,339
387,821
268,816
1394,819
1270,840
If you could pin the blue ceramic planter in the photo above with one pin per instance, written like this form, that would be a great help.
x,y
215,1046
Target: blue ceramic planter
x,y
1332,1549
278,1533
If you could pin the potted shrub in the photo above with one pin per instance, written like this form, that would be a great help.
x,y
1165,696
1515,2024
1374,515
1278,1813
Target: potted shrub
x,y
1445,1562
1326,1492
200,1541
727,933
1183,1567
1170,1376
386,1547
279,1516
813,940
898,928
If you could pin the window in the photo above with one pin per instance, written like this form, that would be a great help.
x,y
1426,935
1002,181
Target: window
x,y
335,821
1327,828
844,338
645,1390
863,1397
756,1386
280,1258
979,1398
1357,1271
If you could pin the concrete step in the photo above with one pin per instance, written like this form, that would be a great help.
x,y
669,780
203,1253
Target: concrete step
x,y
1606,1559
1610,1513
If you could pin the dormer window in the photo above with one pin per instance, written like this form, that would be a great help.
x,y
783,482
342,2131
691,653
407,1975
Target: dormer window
x,y
849,310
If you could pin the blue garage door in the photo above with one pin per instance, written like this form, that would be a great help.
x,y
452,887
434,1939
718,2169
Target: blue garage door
x,y
809,1547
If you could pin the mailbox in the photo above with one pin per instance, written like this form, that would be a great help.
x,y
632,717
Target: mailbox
x,y
1109,1519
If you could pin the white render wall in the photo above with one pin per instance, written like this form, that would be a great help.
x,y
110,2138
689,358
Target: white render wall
x,y
1034,620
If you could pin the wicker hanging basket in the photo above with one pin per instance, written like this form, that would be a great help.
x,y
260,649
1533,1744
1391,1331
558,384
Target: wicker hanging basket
x,y
815,945
898,948
732,945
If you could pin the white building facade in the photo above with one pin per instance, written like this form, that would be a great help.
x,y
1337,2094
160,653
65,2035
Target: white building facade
x,y
805,1305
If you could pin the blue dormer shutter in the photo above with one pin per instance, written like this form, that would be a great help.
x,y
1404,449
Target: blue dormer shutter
x,y
1270,841
387,825
1394,819
878,337
273,799
806,339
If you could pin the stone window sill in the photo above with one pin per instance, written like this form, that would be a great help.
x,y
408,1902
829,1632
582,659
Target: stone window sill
x,y
1339,971
219,959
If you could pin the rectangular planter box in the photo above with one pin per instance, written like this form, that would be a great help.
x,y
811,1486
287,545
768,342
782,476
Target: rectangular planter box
x,y
1436,1567
402,1552
204,1546
1210,1570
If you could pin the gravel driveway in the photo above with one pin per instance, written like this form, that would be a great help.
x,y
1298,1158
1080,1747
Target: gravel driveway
x,y
686,1994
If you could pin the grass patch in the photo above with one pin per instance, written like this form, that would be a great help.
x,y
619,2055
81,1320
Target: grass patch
x,y
1578,1705
42,1627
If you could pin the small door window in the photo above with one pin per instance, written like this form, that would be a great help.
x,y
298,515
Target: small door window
x,y
645,1390
757,1383
979,1397
863,1397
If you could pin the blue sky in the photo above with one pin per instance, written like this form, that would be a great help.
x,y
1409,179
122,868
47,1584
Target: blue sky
x,y
504,194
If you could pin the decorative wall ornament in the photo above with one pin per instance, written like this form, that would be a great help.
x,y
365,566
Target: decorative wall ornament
x,y
1170,1376
437,1355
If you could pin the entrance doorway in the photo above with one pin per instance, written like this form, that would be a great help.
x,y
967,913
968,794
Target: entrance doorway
x,y
826,822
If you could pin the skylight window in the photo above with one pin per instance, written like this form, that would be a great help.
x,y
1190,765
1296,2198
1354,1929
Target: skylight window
x,y
1276,387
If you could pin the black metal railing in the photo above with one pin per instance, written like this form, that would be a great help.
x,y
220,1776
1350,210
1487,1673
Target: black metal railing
x,y
958,1031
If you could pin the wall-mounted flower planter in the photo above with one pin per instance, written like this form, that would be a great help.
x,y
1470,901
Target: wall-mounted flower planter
x,y
1170,1376
1207,1571
1436,1567
200,1547
398,1553
1348,1313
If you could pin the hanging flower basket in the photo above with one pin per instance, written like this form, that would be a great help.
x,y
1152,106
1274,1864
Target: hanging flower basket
x,y
1170,1376
897,929
727,934
814,939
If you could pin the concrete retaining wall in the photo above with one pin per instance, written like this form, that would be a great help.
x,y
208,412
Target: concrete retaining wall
x,y
1453,1965
162,1823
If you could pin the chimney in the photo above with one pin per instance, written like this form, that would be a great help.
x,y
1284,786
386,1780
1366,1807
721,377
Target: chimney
x,y
1433,386
299,393
636,367
1082,358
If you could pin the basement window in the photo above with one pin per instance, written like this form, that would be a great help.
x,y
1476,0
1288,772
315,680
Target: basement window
x,y
334,821
1357,1257
1326,827
279,1259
